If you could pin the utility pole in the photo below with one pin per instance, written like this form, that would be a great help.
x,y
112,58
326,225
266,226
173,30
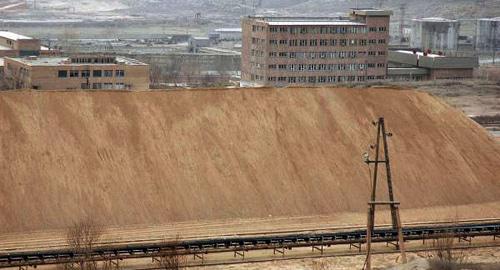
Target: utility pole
x,y
494,25
382,136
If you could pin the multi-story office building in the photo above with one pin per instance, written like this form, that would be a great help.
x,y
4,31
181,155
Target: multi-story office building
x,y
76,72
322,50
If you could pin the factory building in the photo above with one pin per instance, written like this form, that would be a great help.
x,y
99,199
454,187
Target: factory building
x,y
227,34
15,45
281,51
76,72
488,34
418,66
437,34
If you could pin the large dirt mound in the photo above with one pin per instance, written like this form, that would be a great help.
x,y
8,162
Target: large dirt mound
x,y
160,157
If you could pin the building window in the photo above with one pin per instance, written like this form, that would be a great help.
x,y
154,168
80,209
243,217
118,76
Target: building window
x,y
273,42
313,42
97,73
373,29
303,42
273,29
84,86
85,73
293,42
271,66
292,55
323,42
74,73
322,79
282,67
381,53
292,79
120,73
62,74
283,29
283,42
381,65
362,42
281,79
333,42
283,54
108,73
381,41
311,79
371,65
97,86
343,42
372,41
107,86
119,86
372,53
382,29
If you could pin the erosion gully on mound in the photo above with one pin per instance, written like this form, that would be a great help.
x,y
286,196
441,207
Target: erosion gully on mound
x,y
212,162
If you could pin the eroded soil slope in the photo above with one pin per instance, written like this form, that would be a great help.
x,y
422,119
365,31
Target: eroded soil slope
x,y
159,157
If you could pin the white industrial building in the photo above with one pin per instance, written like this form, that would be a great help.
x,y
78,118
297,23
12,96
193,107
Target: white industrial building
x,y
437,34
488,34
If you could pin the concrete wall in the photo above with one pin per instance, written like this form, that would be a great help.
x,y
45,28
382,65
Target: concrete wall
x,y
437,74
437,35
448,62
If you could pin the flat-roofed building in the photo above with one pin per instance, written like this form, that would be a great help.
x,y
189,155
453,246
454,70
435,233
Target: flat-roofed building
x,y
12,44
76,72
315,50
412,65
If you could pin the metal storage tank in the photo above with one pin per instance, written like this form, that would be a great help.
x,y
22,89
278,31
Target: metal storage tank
x,y
437,34
488,33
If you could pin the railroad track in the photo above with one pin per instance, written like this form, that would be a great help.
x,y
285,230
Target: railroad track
x,y
239,245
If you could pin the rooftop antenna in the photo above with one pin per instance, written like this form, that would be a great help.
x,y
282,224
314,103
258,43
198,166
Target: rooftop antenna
x,y
382,136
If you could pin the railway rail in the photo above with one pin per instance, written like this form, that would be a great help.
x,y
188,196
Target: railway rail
x,y
239,245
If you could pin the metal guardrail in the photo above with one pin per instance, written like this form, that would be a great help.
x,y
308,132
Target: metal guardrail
x,y
239,245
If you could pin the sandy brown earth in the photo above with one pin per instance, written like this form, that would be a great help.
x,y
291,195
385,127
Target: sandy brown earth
x,y
137,159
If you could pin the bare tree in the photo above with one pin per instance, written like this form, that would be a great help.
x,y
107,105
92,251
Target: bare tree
x,y
171,258
446,255
82,238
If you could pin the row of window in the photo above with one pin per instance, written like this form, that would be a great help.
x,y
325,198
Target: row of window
x,y
325,42
317,55
325,67
323,79
86,73
319,29
104,86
